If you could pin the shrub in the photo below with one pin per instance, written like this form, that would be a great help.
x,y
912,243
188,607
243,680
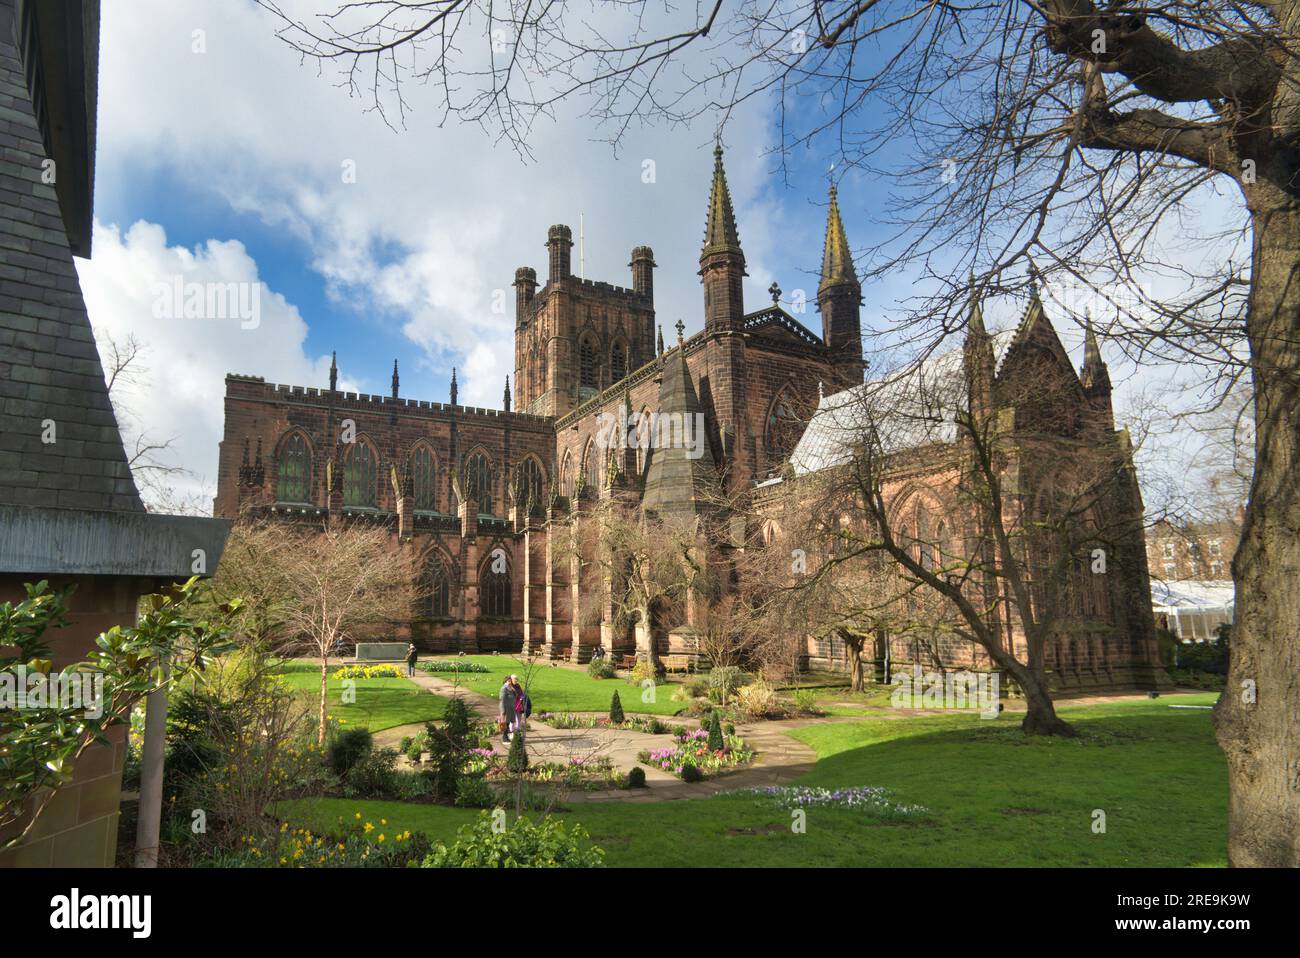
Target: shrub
x,y
723,682
414,751
452,666
636,778
692,773
517,760
696,686
642,671
473,792
521,845
805,700
347,748
375,775
756,700
716,743
615,709
405,745
601,668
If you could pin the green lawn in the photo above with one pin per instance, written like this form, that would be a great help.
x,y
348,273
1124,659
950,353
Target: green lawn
x,y
563,689
380,703
996,798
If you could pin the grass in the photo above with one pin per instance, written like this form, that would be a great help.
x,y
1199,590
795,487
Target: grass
x,y
380,703
995,798
564,689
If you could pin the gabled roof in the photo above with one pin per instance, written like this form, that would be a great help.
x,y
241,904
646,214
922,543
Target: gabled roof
x,y
915,408
774,318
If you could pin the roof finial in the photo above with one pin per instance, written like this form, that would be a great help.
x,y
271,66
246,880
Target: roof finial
x,y
775,292
505,398
453,385
681,328
395,380
334,371
660,343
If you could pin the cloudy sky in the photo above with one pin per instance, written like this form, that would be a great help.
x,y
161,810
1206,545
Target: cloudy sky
x,y
237,163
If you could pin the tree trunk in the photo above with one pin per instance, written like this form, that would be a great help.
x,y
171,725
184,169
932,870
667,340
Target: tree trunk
x,y
1040,717
324,697
853,646
1255,717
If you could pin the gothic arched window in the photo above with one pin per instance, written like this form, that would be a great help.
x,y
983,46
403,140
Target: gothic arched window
x,y
925,537
294,476
424,481
478,482
587,363
494,587
359,473
591,468
782,431
438,583
566,475
618,362
530,484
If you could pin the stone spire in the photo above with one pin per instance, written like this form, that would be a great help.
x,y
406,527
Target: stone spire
x,y
720,233
659,347
978,358
678,469
839,299
837,260
505,397
453,385
1094,374
395,380
722,262
334,371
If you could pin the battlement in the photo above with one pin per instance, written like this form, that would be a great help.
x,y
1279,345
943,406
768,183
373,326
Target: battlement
x,y
255,387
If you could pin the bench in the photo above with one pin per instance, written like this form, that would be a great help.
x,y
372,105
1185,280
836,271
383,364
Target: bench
x,y
677,663
627,662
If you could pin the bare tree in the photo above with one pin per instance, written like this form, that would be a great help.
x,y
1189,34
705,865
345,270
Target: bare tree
x,y
322,586
1078,133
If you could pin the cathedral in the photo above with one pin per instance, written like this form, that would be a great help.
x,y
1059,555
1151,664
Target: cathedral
x,y
466,486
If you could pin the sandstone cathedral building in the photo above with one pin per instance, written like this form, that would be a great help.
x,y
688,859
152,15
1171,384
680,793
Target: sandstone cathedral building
x,y
466,487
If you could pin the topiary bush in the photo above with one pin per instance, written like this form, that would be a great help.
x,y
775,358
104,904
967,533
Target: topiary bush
x,y
716,742
636,778
517,760
347,748
692,773
616,710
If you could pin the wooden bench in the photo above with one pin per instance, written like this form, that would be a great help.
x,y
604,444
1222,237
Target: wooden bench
x,y
627,662
677,663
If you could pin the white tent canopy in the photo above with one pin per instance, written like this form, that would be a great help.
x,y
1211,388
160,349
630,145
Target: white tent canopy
x,y
1194,607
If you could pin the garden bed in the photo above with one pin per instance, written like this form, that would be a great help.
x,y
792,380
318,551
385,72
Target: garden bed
x,y
691,759
574,720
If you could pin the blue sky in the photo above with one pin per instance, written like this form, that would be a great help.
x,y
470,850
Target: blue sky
x,y
220,159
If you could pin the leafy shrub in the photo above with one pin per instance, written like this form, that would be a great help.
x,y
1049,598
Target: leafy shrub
x,y
692,773
414,751
410,786
636,777
346,748
696,686
375,775
805,700
642,671
405,745
724,681
757,700
615,709
1209,657
521,845
716,743
473,792
517,760
601,668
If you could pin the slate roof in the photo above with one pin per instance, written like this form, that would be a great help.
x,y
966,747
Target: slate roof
x,y
49,366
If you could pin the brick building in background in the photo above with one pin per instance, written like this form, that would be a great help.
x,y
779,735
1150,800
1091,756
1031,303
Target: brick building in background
x,y
459,485
69,509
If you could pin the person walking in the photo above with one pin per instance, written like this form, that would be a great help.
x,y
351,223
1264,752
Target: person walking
x,y
412,656
507,699
523,706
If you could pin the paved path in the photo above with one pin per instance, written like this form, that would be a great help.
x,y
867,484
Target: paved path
x,y
778,757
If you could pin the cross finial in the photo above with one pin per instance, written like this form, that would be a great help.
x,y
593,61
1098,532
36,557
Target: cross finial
x,y
681,328
775,292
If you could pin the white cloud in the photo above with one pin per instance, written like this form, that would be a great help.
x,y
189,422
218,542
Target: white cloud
x,y
177,393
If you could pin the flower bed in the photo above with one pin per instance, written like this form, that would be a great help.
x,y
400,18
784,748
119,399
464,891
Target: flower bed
x,y
636,723
593,773
876,802
367,672
692,751
451,665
